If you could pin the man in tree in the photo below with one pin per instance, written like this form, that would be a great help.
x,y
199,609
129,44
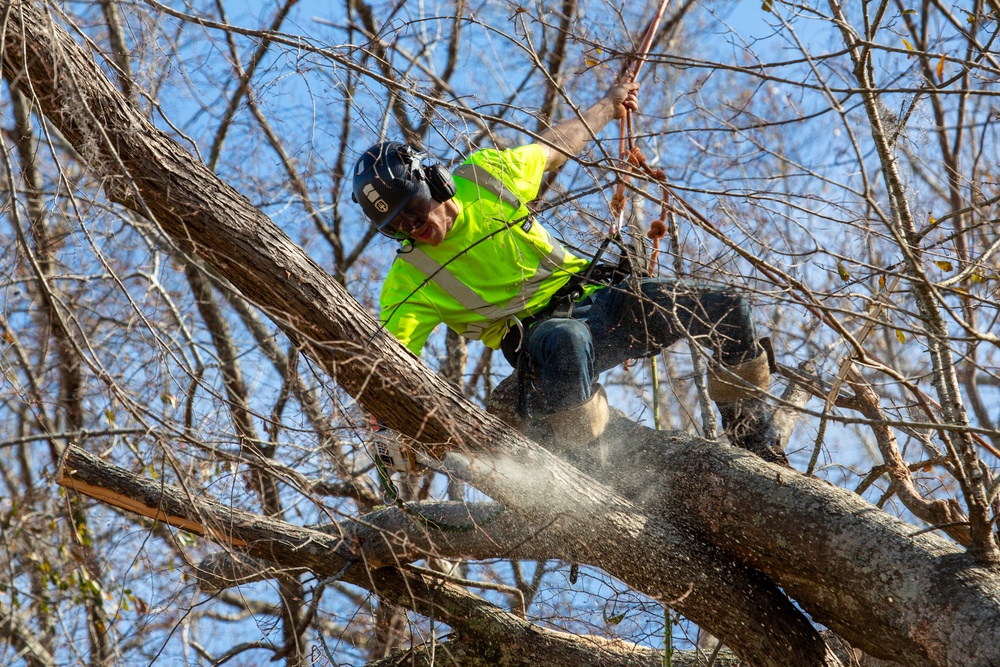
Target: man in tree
x,y
474,257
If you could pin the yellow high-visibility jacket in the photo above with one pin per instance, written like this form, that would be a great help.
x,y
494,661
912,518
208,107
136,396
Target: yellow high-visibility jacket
x,y
497,260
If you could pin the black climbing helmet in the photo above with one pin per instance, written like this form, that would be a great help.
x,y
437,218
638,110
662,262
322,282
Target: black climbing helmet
x,y
390,178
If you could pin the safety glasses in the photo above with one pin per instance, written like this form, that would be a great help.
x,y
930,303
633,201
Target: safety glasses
x,y
411,218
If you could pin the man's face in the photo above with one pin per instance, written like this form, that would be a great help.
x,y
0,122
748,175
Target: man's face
x,y
437,225
428,227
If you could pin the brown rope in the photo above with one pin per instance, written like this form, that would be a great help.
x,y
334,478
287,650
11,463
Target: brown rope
x,y
630,156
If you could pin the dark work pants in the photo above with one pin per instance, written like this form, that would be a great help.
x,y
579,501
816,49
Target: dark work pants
x,y
566,355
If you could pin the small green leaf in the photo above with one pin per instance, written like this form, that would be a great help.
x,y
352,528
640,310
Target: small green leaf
x,y
980,276
944,265
612,620
842,271
83,534
900,336
909,12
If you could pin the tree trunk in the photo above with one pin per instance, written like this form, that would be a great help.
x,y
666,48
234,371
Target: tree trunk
x,y
894,591
146,171
681,539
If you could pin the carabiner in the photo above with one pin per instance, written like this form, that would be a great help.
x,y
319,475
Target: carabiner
x,y
520,328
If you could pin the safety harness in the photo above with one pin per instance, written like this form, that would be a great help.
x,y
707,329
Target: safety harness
x,y
561,306
564,301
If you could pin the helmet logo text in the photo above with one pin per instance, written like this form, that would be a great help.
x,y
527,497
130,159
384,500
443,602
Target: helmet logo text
x,y
373,197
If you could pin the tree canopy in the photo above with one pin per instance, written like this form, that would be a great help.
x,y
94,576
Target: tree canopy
x,y
191,357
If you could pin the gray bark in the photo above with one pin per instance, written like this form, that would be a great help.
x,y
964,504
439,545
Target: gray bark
x,y
681,519
889,588
146,171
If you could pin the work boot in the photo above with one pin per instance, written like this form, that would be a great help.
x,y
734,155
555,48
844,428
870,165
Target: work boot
x,y
569,429
748,379
558,431
750,425
746,418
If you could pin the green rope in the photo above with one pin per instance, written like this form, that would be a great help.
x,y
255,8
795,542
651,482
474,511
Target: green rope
x,y
668,639
656,393
390,493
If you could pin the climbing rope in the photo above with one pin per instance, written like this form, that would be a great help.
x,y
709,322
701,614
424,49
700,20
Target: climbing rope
x,y
630,156
657,230
632,162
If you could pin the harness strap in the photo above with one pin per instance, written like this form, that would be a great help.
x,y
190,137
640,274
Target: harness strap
x,y
562,303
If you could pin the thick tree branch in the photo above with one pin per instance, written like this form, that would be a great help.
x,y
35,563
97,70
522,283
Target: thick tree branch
x,y
873,579
362,552
146,171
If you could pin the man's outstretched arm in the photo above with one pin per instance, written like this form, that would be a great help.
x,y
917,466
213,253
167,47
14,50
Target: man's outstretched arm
x,y
570,136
